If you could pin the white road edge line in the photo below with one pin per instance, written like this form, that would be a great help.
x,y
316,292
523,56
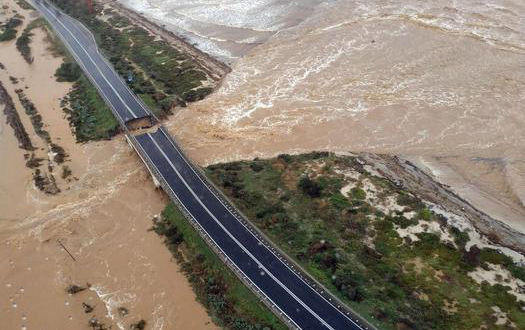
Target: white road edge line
x,y
237,242
92,61
125,104
217,245
259,240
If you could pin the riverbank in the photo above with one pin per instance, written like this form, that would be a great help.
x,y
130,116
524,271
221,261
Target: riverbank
x,y
101,216
364,225
161,72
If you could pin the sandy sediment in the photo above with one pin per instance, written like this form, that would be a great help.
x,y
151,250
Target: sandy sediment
x,y
408,175
102,216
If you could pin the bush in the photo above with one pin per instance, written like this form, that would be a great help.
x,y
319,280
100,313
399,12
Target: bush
x,y
68,71
310,187
358,193
339,201
257,166
425,214
196,94
285,157
22,44
12,23
8,34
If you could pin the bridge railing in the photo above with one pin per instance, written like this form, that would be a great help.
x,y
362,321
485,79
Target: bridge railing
x,y
292,264
204,235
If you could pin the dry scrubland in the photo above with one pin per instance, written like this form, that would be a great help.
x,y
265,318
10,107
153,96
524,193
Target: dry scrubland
x,y
397,260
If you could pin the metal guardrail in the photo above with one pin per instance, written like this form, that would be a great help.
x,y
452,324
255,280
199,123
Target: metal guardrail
x,y
292,264
204,235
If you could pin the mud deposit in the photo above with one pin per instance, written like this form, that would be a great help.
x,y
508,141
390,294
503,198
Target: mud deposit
x,y
101,215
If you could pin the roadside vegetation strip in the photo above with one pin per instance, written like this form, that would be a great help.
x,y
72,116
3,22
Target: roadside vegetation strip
x,y
88,115
159,74
228,301
24,4
369,241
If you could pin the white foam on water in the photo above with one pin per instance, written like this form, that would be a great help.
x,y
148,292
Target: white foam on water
x,y
211,25
113,300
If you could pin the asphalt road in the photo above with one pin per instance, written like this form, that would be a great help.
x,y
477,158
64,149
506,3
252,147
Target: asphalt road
x,y
256,262
84,49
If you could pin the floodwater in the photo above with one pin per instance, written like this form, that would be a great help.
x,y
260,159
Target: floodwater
x,y
439,82
225,29
102,216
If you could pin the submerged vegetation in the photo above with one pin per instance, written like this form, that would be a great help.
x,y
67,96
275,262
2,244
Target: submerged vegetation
x,y
9,28
376,246
228,301
22,44
159,74
68,71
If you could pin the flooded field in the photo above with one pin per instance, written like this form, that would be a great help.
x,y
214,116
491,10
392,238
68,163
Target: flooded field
x,y
102,215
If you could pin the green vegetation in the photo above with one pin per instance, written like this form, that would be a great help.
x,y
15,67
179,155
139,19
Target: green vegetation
x,y
68,71
22,44
36,118
353,246
228,301
9,29
158,73
24,4
87,112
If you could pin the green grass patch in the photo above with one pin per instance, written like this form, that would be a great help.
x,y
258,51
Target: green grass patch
x,y
228,301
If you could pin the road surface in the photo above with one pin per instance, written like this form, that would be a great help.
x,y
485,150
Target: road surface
x,y
273,278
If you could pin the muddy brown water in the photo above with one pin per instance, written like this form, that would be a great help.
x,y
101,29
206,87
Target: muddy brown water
x,y
102,217
441,83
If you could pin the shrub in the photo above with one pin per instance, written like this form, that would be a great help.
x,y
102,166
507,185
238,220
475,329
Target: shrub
x,y
310,187
425,214
286,158
12,23
8,34
66,171
22,44
68,71
339,201
358,193
257,166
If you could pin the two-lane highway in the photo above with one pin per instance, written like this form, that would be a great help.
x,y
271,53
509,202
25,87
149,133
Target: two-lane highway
x,y
83,48
291,296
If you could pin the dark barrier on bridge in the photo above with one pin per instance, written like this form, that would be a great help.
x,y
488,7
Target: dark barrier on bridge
x,y
128,126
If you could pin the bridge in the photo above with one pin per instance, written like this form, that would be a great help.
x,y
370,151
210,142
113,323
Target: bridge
x,y
296,298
